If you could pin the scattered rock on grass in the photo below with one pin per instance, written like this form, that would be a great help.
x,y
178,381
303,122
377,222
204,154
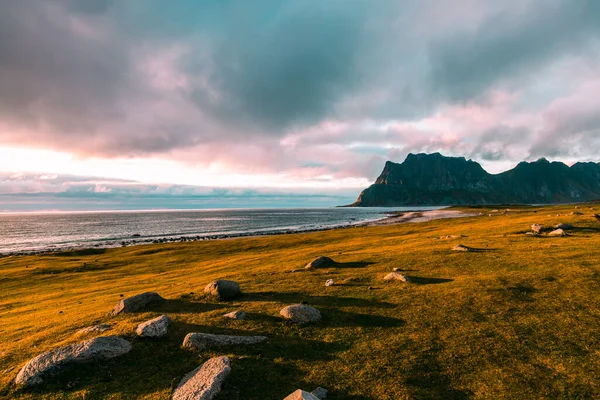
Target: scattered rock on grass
x,y
320,262
558,232
460,247
301,395
537,228
395,276
49,363
94,329
154,328
223,289
329,282
301,313
576,213
204,382
136,303
239,314
200,341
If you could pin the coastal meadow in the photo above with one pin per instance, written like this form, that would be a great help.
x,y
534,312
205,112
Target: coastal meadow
x,y
515,317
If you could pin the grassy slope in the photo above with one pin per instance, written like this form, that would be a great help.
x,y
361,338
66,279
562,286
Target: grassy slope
x,y
518,320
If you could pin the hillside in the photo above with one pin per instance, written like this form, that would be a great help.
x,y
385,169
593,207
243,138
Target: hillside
x,y
516,318
433,179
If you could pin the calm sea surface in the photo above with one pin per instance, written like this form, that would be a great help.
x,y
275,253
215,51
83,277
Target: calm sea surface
x,y
32,232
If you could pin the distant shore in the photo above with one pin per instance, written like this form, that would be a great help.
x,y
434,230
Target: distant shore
x,y
390,219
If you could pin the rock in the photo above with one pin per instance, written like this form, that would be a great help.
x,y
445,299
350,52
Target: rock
x,y
320,262
204,382
154,328
300,313
597,216
94,329
329,282
301,395
50,362
395,276
319,393
557,232
223,289
200,341
576,213
537,228
136,303
397,269
564,226
460,247
239,314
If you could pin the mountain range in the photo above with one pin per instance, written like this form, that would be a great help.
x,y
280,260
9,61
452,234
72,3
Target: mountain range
x,y
433,179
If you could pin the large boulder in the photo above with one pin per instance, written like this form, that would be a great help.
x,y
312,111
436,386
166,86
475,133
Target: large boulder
x,y
204,382
223,289
320,262
136,303
395,276
301,313
154,328
200,341
49,363
301,395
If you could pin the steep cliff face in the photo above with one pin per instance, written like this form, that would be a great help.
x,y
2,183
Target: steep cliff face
x,y
432,179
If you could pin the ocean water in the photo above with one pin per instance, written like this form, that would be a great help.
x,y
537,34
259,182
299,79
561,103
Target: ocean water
x,y
34,232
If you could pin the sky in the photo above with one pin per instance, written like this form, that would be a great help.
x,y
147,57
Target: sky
x,y
207,103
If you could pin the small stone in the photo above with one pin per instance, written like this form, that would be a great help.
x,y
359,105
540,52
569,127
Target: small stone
x,y
239,314
370,287
394,276
564,226
205,382
94,329
397,269
320,262
136,303
301,395
223,289
537,228
576,213
200,341
48,363
154,328
300,313
320,393
460,247
329,282
557,232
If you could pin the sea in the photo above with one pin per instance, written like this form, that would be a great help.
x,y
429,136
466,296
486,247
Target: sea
x,y
22,233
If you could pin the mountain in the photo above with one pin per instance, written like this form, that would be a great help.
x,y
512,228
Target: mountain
x,y
433,179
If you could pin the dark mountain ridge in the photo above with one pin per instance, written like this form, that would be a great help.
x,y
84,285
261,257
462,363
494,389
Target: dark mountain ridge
x,y
433,179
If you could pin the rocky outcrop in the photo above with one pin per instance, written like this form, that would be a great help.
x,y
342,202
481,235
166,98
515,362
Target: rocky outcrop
x,y
205,382
49,363
301,313
223,289
154,328
136,303
432,179
200,341
94,329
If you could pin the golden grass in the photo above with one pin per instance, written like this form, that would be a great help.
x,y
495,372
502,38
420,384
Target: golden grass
x,y
519,318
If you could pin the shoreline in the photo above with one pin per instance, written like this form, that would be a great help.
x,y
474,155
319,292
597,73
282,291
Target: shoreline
x,y
388,220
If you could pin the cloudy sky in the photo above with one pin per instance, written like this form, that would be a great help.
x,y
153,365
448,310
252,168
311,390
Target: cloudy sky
x,y
305,97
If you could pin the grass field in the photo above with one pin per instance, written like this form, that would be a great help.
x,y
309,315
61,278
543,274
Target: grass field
x,y
517,319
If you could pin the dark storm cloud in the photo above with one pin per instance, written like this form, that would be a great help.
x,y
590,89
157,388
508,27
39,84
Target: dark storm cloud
x,y
139,77
505,47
